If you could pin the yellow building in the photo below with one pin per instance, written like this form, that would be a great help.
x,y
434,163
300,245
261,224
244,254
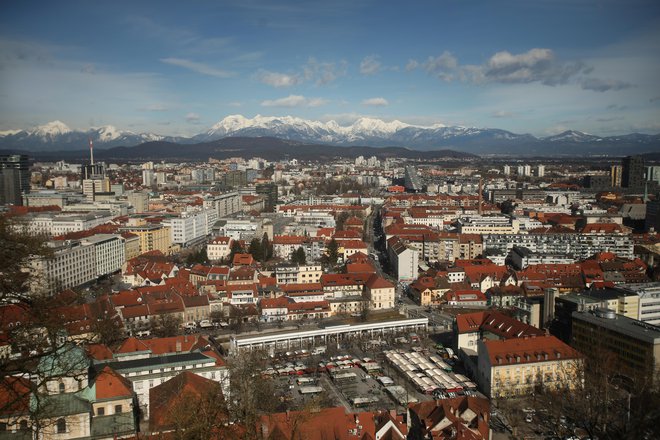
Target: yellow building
x,y
153,237
515,367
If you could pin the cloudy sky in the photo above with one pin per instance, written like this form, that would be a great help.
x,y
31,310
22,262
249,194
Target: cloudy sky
x,y
176,68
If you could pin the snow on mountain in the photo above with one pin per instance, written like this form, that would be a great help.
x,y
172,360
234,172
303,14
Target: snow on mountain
x,y
362,132
572,136
51,129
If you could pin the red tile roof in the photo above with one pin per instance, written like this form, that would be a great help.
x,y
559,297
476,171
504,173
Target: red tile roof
x,y
111,385
528,350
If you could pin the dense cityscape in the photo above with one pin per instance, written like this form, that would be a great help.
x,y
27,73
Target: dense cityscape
x,y
424,299
330,220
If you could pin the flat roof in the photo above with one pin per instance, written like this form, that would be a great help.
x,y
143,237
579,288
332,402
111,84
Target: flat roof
x,y
626,326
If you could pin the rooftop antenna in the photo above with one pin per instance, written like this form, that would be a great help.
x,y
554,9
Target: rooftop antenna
x,y
91,151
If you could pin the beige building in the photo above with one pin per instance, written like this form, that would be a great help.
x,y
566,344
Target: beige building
x,y
380,292
153,237
132,245
516,367
297,274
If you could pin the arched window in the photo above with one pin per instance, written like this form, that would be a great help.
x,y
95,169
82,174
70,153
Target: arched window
x,y
62,388
61,426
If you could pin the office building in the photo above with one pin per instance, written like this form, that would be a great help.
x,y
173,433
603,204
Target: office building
x,y
14,178
632,174
270,193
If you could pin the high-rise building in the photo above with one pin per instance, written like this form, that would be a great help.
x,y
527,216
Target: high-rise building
x,y
615,173
14,178
540,171
653,173
632,175
507,170
270,193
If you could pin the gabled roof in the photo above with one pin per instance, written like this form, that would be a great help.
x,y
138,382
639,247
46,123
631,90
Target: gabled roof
x,y
111,385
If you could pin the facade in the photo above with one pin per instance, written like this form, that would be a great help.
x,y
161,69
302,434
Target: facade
x,y
73,264
192,227
219,248
110,252
517,366
404,259
297,274
153,237
269,192
225,204
635,344
14,178
579,246
380,293
649,301
633,172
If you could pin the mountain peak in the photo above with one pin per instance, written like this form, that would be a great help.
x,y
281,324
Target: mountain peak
x,y
51,129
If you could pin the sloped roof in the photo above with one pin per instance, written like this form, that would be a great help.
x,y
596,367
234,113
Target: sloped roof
x,y
111,385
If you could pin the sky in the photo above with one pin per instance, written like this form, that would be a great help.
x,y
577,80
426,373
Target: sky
x,y
176,68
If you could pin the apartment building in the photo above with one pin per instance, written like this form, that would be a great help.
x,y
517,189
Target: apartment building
x,y
191,227
403,259
579,246
219,248
488,225
298,274
225,204
380,293
153,237
517,366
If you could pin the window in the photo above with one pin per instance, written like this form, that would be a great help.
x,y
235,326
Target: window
x,y
61,426
23,425
62,387
100,411
118,409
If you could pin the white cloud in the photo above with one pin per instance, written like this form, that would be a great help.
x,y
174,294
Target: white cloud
x,y
155,108
201,68
294,101
370,65
193,117
501,114
276,79
322,72
375,102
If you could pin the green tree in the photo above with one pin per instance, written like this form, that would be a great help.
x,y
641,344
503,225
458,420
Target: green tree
x,y
236,248
298,256
266,248
256,250
333,251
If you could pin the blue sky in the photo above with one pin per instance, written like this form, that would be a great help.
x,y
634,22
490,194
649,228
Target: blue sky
x,y
176,68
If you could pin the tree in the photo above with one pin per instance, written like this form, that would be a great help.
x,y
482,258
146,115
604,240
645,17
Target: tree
x,y
333,251
236,248
266,248
250,395
198,257
256,250
298,256
165,325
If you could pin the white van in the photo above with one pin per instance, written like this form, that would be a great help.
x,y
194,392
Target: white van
x,y
318,350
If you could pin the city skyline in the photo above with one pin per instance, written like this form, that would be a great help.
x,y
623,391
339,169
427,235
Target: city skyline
x,y
176,70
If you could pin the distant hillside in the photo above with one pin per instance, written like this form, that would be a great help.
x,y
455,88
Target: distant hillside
x,y
267,147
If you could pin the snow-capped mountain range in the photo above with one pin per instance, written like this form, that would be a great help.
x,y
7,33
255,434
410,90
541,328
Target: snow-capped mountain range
x,y
364,131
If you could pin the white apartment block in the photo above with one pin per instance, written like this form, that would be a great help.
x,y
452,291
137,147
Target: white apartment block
x,y
73,264
109,250
192,226
294,274
579,246
225,204
404,259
